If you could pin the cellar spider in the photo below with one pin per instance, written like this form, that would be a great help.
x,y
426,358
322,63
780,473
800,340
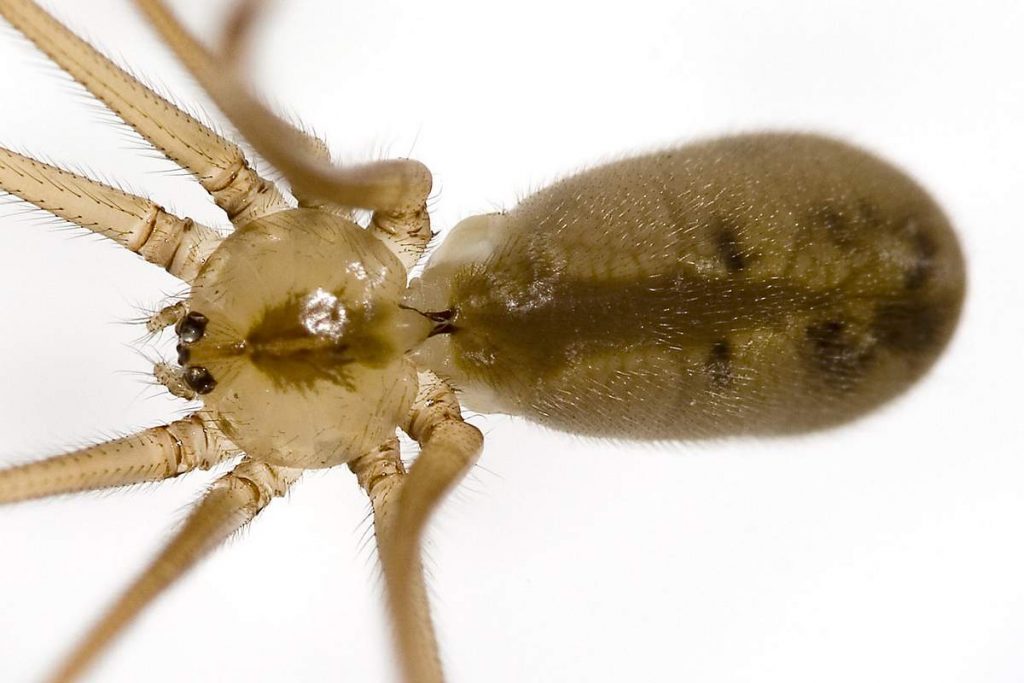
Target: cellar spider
x,y
485,643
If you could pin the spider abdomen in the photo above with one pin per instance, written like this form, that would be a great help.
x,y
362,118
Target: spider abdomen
x,y
754,284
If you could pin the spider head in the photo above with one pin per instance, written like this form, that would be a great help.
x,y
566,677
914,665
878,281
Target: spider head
x,y
296,341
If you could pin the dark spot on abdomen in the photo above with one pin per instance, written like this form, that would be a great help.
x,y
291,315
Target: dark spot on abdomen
x,y
871,215
908,326
923,252
838,353
719,365
726,237
835,224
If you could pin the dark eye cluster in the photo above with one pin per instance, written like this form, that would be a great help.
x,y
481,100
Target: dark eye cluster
x,y
191,329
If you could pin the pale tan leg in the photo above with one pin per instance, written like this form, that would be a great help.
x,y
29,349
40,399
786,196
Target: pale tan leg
x,y
380,474
449,447
317,149
405,233
231,503
176,244
396,186
151,455
218,164
404,229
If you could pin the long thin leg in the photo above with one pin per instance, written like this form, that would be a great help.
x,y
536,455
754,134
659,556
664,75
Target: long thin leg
x,y
404,229
380,474
151,455
399,186
217,163
316,149
449,447
179,245
231,503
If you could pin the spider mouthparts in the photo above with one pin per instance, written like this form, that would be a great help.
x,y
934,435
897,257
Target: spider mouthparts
x,y
442,328
442,319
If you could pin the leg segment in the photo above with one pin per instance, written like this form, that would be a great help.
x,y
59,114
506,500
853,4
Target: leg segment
x,y
152,455
166,317
404,228
380,474
399,186
176,244
316,149
405,233
449,449
218,164
173,379
231,503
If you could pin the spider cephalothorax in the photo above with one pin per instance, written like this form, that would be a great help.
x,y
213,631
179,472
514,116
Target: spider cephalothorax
x,y
304,339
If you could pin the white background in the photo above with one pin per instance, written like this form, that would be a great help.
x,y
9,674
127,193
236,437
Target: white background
x,y
887,551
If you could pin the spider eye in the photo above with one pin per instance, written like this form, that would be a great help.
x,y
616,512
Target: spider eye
x,y
192,327
200,379
183,354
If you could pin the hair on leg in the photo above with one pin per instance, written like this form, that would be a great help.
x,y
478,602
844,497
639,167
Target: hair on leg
x,y
178,245
231,503
400,185
195,442
217,163
380,474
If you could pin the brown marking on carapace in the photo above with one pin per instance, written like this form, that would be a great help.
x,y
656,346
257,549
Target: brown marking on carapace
x,y
300,342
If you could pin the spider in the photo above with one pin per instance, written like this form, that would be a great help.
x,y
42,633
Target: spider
x,y
158,531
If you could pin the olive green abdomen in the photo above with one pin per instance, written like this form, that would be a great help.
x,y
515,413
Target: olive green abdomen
x,y
754,284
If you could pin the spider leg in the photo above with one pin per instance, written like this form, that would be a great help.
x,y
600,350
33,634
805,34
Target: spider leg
x,y
404,229
155,454
231,503
176,244
380,474
316,148
406,233
449,447
396,188
217,163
